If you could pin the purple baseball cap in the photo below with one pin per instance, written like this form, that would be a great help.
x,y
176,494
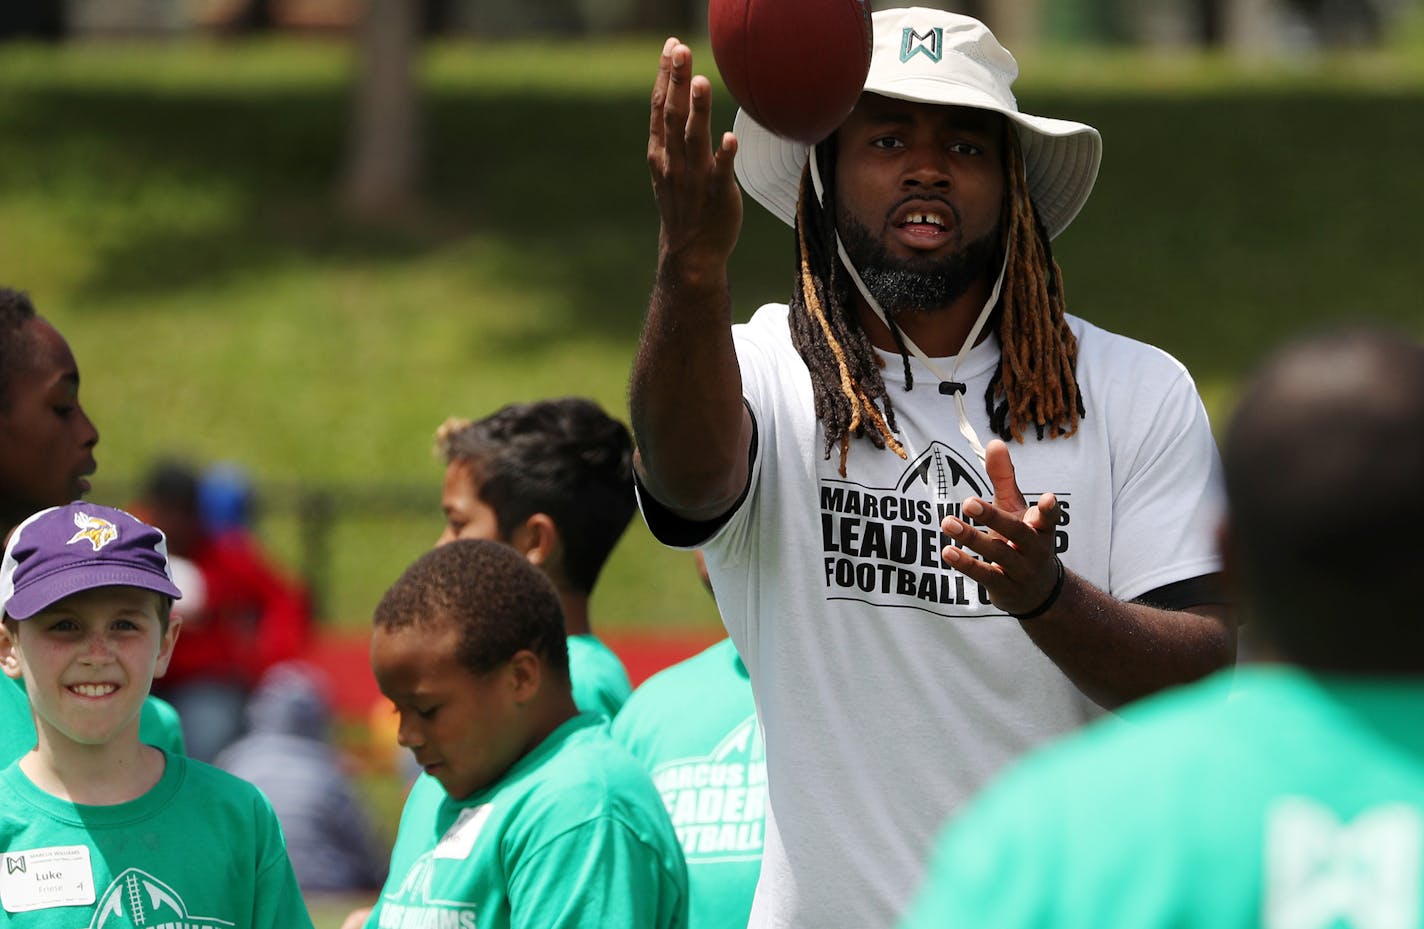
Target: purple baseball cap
x,y
65,549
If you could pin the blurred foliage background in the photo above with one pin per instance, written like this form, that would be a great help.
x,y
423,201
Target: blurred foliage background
x,y
175,207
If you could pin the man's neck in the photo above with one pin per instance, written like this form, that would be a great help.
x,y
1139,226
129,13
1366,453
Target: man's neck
x,y
939,333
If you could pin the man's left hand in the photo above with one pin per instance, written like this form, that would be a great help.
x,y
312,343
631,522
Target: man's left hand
x,y
1016,563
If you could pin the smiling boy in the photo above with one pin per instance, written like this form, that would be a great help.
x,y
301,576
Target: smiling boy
x,y
95,825
528,814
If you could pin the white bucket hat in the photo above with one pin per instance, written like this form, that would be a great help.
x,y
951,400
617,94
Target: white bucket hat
x,y
932,56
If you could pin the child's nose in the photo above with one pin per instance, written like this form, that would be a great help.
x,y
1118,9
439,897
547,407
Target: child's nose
x,y
408,734
96,648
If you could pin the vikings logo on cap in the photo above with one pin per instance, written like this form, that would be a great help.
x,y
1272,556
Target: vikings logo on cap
x,y
46,561
99,532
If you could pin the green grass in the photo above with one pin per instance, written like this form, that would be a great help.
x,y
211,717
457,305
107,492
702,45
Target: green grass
x,y
172,208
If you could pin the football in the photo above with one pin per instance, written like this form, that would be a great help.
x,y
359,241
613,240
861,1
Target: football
x,y
795,66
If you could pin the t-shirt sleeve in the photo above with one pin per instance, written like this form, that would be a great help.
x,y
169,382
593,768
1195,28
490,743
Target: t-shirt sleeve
x,y
680,532
760,371
278,899
597,874
1167,495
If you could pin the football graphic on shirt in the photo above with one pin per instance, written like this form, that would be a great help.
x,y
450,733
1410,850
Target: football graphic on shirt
x,y
138,899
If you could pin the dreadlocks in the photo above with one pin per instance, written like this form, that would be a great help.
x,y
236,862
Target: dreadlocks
x,y
845,371
1034,386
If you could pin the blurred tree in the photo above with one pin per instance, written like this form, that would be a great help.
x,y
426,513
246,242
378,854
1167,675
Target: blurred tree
x,y
1015,22
1210,30
33,19
382,168
254,16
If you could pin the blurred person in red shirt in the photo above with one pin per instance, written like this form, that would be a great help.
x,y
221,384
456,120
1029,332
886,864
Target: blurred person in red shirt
x,y
248,616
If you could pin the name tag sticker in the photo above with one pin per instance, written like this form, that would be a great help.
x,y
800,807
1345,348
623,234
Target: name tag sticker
x,y
41,878
459,839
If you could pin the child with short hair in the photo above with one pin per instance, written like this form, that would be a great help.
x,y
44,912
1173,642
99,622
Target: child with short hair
x,y
529,815
553,479
96,827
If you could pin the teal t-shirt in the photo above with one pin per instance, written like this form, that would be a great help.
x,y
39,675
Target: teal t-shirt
x,y
574,835
158,724
694,727
1286,800
600,682
201,849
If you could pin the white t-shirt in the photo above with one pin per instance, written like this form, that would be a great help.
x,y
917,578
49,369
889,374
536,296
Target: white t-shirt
x,y
888,688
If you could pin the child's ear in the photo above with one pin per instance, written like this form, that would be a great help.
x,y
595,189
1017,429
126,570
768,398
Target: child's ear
x,y
165,646
537,539
9,653
526,673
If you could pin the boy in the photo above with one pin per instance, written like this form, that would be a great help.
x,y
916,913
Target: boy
x,y
46,451
528,815
98,828
553,479
694,728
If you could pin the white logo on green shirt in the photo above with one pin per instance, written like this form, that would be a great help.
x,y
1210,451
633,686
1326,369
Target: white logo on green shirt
x,y
136,898
414,905
1364,873
718,802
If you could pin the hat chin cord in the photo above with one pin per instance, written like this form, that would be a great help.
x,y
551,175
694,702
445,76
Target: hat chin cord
x,y
948,385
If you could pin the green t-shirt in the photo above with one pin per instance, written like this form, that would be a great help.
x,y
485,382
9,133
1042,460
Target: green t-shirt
x,y
572,836
201,849
1288,800
694,727
158,724
599,681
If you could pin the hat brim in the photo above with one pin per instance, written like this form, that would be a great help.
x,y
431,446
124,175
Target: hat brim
x,y
43,592
1061,157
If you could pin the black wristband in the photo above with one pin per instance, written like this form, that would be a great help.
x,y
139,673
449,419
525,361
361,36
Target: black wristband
x,y
1052,595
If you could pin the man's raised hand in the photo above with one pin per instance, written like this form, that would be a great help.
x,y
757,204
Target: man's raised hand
x,y
699,202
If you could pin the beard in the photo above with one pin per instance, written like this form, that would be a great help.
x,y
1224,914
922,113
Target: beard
x,y
915,284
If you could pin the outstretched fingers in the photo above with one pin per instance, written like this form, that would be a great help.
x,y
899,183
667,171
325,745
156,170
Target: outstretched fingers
x,y
1000,467
698,137
994,543
667,139
699,202
1012,555
660,94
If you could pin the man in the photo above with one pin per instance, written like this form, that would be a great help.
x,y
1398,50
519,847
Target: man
x,y
554,480
826,454
1300,801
